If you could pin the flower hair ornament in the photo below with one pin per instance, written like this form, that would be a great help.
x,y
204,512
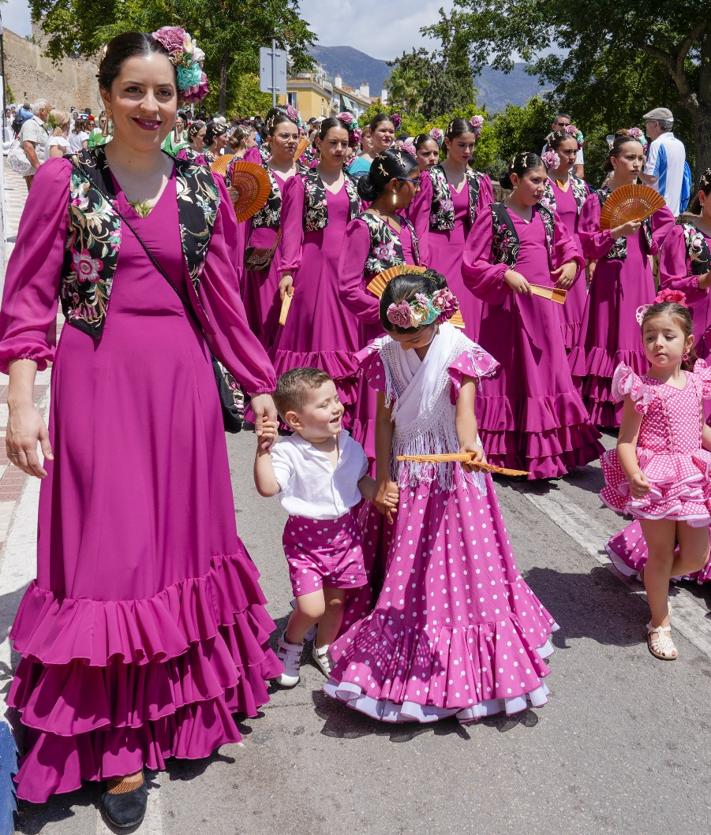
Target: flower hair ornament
x,y
354,132
423,309
396,119
187,58
705,181
477,123
551,160
638,134
438,135
663,296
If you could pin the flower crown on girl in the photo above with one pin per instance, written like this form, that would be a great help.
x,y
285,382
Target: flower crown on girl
x,y
423,309
670,296
187,58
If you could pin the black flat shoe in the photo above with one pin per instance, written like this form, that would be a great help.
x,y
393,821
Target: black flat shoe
x,y
125,811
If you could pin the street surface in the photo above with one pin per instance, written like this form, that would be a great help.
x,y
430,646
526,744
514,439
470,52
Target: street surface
x,y
623,746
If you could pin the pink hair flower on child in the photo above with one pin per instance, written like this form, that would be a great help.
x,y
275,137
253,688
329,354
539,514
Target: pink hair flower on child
x,y
396,119
400,314
438,135
671,296
477,123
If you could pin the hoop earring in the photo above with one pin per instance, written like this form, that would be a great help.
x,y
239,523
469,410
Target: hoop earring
x,y
685,356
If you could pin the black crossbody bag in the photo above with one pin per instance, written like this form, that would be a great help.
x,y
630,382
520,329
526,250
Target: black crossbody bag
x,y
231,413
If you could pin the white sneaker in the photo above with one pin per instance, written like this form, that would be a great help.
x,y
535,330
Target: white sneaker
x,y
290,657
321,659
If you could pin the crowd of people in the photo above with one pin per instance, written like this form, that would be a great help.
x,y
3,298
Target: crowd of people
x,y
423,348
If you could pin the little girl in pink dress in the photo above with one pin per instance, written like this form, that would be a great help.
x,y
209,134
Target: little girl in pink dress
x,y
659,473
455,630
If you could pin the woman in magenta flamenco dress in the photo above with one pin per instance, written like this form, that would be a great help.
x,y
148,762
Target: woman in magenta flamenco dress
x,y
260,285
451,197
565,195
456,631
320,330
145,629
530,416
684,264
622,281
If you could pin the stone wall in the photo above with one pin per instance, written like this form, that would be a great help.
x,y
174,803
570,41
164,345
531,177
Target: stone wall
x,y
32,75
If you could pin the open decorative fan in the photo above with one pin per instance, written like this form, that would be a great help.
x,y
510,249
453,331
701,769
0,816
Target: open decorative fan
x,y
251,182
219,166
380,282
630,203
554,294
465,458
301,147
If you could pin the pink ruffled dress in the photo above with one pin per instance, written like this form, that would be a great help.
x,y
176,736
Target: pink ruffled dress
x,y
455,630
145,629
669,449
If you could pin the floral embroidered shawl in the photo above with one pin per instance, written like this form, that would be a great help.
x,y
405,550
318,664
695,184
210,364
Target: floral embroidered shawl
x,y
316,204
385,245
697,249
442,214
94,234
581,191
505,245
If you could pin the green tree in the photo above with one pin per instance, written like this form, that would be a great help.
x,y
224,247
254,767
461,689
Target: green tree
x,y
603,48
248,98
229,32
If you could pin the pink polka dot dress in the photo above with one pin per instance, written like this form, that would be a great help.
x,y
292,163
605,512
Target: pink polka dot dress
x,y
669,449
455,629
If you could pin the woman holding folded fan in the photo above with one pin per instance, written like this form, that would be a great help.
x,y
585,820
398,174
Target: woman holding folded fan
x,y
530,416
145,629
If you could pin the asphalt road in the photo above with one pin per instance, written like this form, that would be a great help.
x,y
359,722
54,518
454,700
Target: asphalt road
x,y
623,745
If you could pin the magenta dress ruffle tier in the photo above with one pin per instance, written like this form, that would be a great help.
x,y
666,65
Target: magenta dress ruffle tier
x,y
610,333
443,251
531,416
571,313
145,629
320,331
456,631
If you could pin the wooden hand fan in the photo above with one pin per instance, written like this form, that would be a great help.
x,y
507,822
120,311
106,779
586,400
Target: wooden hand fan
x,y
464,458
252,184
219,166
301,147
380,282
554,294
285,305
630,203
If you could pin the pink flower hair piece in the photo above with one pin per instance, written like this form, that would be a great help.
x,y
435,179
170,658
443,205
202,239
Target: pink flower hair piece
x,y
671,296
396,119
477,123
437,135
551,160
400,314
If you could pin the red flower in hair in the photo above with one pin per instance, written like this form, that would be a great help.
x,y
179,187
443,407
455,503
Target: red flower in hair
x,y
672,296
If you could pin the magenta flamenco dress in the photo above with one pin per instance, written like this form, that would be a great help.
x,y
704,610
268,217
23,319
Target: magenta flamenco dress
x,y
670,455
455,630
320,331
610,333
443,250
145,629
531,416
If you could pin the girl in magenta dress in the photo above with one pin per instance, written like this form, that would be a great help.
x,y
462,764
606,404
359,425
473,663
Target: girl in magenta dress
x,y
320,331
684,264
377,240
455,630
659,472
145,629
565,195
260,286
530,416
443,213
622,281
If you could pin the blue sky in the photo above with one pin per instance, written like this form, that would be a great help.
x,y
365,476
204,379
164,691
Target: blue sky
x,y
382,29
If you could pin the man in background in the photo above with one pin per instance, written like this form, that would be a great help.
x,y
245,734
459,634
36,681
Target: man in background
x,y
666,169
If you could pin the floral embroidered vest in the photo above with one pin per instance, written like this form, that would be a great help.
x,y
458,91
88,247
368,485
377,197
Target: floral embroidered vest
x,y
697,249
316,204
618,250
581,192
385,244
269,215
442,214
506,244
94,234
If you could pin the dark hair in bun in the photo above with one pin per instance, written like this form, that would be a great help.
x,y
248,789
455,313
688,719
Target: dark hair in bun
x,y
383,169
621,139
121,48
404,288
521,164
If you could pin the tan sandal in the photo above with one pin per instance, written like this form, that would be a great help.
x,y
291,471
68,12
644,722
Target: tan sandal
x,y
660,644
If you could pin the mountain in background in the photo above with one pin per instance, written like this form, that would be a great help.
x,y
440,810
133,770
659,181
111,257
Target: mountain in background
x,y
495,89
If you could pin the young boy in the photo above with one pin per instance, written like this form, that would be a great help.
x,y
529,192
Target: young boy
x,y
321,474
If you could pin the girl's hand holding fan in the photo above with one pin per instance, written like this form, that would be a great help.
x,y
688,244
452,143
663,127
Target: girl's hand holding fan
x,y
517,282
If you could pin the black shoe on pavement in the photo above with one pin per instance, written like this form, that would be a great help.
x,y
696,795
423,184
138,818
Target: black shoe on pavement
x,y
127,810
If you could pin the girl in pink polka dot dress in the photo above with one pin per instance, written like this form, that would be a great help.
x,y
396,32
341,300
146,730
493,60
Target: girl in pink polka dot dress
x,y
455,630
660,472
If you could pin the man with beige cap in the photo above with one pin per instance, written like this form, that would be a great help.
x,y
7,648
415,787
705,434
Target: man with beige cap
x,y
666,158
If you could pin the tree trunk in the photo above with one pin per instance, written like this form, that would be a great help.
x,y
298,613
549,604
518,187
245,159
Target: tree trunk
x,y
222,100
